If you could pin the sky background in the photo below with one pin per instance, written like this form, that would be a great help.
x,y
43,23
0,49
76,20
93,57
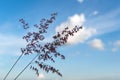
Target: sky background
x,y
92,54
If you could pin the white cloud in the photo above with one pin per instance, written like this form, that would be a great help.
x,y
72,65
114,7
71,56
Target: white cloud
x,y
116,45
81,1
41,76
81,35
77,19
97,44
71,22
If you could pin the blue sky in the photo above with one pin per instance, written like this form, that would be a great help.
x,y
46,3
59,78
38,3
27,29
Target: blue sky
x,y
92,54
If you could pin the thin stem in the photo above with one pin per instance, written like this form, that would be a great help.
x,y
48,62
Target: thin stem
x,y
12,67
26,67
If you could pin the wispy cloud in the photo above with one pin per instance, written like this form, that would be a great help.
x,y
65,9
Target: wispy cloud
x,y
116,45
106,23
10,44
94,13
76,53
97,44
81,1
